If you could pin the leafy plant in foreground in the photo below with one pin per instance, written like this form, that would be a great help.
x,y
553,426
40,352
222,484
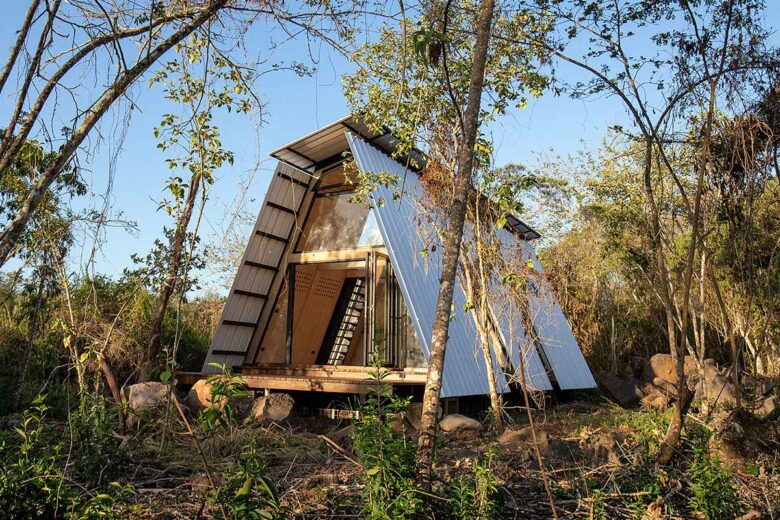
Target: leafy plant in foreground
x,y
387,457
712,488
100,455
475,496
30,479
247,492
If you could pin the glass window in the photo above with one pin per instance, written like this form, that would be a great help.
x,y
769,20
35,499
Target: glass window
x,y
336,223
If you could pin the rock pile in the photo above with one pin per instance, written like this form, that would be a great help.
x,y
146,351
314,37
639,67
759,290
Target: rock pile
x,y
655,386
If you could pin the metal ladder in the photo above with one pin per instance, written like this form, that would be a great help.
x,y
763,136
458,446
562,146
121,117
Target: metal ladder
x,y
348,322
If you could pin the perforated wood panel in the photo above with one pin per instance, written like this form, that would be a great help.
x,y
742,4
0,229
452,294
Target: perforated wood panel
x,y
303,279
328,286
313,311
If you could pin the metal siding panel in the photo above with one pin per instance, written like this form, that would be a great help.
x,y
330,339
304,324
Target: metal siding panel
x,y
464,369
554,334
515,337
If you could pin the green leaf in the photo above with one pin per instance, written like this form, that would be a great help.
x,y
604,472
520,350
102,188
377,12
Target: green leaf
x,y
165,376
246,489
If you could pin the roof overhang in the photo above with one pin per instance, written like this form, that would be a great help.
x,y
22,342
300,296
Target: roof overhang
x,y
327,145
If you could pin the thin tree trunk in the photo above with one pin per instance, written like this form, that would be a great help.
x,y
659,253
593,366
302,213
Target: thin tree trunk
x,y
16,227
672,438
9,65
25,365
169,283
483,329
730,331
114,388
451,246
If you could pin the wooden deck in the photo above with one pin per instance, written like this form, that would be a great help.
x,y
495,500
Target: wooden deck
x,y
316,378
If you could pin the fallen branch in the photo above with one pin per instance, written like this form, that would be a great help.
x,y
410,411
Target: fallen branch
x,y
338,449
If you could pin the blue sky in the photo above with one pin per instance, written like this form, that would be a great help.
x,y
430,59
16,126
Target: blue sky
x,y
294,106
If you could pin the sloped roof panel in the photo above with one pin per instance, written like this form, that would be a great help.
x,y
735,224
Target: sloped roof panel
x,y
520,347
464,367
553,332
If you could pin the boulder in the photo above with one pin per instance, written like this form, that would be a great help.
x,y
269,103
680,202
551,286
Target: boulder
x,y
199,397
655,400
717,390
769,405
668,388
662,366
624,392
143,399
273,407
414,415
456,426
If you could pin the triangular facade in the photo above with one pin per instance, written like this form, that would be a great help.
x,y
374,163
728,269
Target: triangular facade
x,y
328,284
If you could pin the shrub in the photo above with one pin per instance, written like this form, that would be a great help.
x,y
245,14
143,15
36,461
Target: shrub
x,y
475,496
99,456
30,479
387,457
711,485
247,492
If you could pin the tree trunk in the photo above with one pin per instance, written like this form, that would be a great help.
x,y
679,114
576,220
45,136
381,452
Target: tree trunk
x,y
672,438
18,224
28,20
451,246
483,329
169,283
114,388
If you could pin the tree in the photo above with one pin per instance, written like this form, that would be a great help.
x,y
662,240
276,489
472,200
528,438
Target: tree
x,y
47,238
703,56
113,33
201,81
431,95
71,40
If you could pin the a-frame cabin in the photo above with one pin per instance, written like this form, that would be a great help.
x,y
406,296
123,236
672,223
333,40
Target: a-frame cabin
x,y
326,284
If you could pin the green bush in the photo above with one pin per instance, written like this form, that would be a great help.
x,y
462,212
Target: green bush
x,y
246,491
475,496
30,479
712,489
387,457
33,483
99,455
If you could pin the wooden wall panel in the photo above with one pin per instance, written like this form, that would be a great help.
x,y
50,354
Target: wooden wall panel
x,y
313,314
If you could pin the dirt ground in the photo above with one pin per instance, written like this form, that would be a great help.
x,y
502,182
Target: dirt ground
x,y
597,457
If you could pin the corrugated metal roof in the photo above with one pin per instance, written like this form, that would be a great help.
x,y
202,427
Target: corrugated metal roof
x,y
553,332
327,144
464,367
514,335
